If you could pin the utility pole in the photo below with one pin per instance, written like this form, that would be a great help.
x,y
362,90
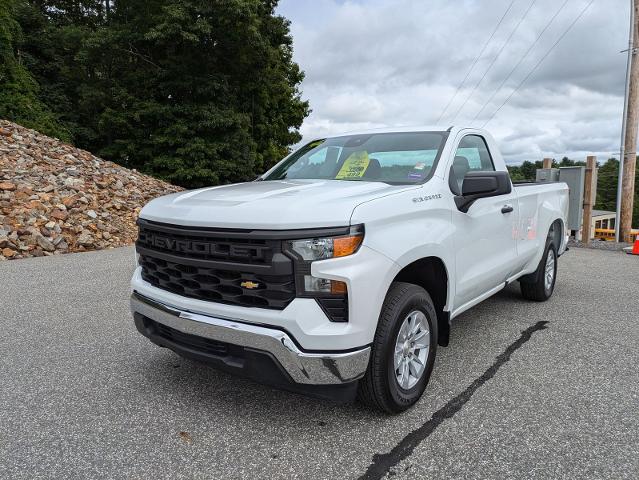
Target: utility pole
x,y
627,164
590,193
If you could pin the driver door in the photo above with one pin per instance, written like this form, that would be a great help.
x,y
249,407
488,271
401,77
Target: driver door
x,y
485,246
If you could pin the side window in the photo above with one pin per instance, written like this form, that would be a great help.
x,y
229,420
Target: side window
x,y
472,155
474,148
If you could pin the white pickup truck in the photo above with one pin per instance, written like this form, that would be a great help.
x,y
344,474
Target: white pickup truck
x,y
339,270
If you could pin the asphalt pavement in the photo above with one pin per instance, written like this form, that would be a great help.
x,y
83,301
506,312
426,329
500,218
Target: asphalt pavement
x,y
525,390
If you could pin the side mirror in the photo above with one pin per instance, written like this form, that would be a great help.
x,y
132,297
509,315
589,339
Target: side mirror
x,y
482,185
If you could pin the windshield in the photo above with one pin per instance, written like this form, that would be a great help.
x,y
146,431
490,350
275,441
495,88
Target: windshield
x,y
381,157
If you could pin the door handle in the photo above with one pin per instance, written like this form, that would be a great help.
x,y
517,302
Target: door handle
x,y
507,209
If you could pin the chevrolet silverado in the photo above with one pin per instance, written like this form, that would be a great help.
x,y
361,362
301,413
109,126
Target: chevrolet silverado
x,y
337,273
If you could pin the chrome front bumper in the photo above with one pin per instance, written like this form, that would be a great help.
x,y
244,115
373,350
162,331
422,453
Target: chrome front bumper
x,y
303,368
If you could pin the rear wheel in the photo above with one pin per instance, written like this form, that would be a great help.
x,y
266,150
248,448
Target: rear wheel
x,y
403,351
539,285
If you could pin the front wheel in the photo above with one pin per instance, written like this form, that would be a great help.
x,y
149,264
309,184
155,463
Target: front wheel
x,y
403,351
539,285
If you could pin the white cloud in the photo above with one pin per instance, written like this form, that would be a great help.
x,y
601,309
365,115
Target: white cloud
x,y
375,63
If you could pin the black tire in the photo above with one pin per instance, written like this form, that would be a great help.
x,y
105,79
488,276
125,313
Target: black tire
x,y
379,388
534,286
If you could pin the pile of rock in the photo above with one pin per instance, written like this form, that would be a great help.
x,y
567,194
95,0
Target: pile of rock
x,y
55,198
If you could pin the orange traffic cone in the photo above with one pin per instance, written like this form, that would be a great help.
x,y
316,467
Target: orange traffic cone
x,y
635,248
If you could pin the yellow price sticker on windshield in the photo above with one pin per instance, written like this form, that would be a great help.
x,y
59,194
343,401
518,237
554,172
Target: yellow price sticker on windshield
x,y
354,167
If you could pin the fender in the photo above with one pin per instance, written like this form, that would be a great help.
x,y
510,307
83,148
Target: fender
x,y
406,230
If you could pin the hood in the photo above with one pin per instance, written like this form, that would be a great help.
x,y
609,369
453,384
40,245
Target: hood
x,y
278,204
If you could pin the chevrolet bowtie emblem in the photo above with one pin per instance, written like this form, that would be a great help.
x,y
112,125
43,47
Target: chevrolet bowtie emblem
x,y
250,285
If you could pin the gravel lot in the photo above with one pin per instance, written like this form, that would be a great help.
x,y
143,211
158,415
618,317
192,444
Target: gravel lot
x,y
85,396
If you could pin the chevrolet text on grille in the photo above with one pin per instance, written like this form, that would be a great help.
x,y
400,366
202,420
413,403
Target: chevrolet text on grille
x,y
203,247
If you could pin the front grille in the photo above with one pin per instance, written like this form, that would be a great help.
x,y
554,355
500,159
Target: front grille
x,y
217,285
247,268
223,266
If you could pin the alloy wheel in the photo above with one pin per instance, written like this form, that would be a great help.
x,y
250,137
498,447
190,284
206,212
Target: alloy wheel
x,y
411,349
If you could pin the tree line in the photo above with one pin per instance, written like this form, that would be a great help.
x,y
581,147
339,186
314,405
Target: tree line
x,y
607,177
196,93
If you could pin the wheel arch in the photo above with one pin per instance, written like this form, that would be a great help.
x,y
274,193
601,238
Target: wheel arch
x,y
556,233
431,274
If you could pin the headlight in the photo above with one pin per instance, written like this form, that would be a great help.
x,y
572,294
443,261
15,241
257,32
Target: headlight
x,y
311,249
308,250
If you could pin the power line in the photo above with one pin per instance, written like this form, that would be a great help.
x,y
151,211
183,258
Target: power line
x,y
540,61
463,82
524,56
523,17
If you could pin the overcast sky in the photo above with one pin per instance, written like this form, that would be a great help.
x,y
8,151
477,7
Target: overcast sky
x,y
376,63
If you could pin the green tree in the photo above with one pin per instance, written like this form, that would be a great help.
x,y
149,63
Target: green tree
x,y
528,170
515,173
19,91
54,34
197,93
567,162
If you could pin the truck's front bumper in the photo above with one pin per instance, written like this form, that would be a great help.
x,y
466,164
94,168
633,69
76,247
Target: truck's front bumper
x,y
244,347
